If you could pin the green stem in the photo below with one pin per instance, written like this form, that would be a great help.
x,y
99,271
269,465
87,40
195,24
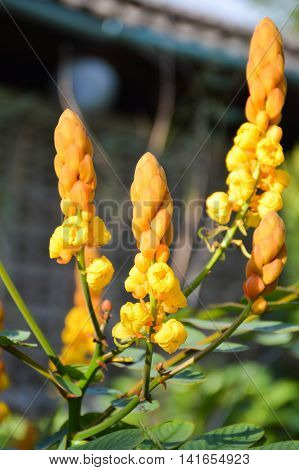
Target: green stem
x,y
29,362
115,418
86,292
149,354
229,235
212,346
108,422
28,317
92,368
74,407
147,371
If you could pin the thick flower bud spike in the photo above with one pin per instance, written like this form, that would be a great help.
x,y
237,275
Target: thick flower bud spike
x,y
268,258
73,164
265,76
152,206
77,183
253,160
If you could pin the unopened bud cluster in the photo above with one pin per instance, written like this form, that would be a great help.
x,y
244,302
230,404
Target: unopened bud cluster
x,y
268,257
253,161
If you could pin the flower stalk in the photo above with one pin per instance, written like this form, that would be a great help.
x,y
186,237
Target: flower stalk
x,y
149,354
227,239
86,292
115,418
43,341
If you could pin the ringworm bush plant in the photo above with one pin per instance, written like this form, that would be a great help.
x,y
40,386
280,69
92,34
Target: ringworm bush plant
x,y
156,319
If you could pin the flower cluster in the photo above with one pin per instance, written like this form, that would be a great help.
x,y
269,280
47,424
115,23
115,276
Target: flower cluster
x,y
78,333
4,379
268,257
151,275
77,183
254,159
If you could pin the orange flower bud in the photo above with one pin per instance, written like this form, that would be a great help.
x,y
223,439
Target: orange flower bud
x,y
265,76
162,254
268,257
259,306
106,305
73,162
152,206
253,287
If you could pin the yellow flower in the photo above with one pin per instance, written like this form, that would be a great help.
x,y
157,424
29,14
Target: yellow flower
x,y
241,185
75,232
57,248
174,300
134,317
119,331
247,136
142,263
4,411
237,157
77,336
4,381
137,283
269,201
161,279
98,234
276,181
68,238
269,152
252,219
171,335
219,207
99,273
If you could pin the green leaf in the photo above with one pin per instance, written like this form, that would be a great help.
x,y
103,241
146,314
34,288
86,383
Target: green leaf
x,y
63,443
75,371
143,407
237,436
151,441
103,391
130,357
70,387
255,325
15,335
15,338
194,336
216,311
120,440
273,340
138,357
172,433
51,440
188,377
284,445
225,347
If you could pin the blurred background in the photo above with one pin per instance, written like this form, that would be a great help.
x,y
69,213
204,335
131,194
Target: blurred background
x,y
165,76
